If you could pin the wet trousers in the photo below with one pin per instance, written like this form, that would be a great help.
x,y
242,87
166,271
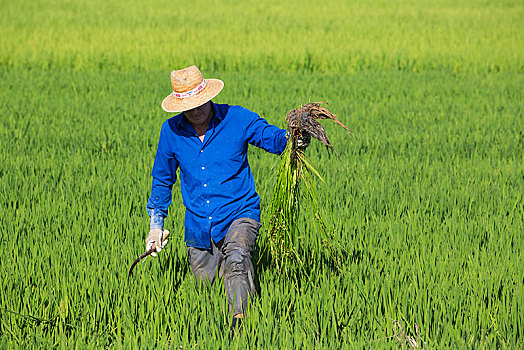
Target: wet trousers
x,y
231,259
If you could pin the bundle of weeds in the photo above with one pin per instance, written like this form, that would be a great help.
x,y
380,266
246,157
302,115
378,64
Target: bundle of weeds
x,y
295,188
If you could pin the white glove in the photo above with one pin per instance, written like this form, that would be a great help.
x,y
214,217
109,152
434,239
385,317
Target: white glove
x,y
156,239
303,140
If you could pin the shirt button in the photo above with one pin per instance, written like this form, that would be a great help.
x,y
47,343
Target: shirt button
x,y
205,185
210,218
203,168
207,202
201,150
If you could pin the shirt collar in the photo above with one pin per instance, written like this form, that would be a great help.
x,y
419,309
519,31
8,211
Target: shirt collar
x,y
218,112
182,122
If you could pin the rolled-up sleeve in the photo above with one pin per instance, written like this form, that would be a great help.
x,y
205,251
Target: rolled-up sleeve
x,y
264,135
164,176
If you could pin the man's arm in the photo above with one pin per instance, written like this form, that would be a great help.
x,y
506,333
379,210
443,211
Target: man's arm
x,y
164,176
264,135
158,203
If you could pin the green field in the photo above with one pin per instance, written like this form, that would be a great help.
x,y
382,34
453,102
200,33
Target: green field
x,y
427,202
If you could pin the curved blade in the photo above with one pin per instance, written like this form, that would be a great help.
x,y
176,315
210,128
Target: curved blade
x,y
138,259
152,250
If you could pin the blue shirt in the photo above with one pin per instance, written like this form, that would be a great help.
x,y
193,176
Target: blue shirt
x,y
216,180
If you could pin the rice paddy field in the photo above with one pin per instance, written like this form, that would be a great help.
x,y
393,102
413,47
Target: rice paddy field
x,y
426,202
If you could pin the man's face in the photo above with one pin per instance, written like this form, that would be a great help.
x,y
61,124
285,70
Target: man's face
x,y
199,116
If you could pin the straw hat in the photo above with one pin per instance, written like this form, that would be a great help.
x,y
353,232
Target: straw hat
x,y
190,90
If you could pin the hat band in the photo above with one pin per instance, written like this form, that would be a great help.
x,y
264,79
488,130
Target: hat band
x,y
190,92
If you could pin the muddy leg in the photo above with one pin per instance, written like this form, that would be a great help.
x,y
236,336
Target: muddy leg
x,y
237,269
204,263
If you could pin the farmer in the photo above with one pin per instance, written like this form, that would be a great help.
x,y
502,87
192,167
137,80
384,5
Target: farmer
x,y
208,142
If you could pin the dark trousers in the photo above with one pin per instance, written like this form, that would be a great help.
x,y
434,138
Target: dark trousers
x,y
231,258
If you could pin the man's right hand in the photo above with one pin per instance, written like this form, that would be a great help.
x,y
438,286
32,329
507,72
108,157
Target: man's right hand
x,y
156,239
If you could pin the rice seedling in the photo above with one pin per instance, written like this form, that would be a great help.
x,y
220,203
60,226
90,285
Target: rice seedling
x,y
429,213
387,35
295,186
428,210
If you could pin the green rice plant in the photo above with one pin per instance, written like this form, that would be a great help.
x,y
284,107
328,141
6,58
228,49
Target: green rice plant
x,y
295,185
427,203
460,36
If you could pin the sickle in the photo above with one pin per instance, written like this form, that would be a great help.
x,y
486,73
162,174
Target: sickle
x,y
152,250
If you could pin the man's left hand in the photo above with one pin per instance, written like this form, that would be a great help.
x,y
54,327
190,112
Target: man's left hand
x,y
303,140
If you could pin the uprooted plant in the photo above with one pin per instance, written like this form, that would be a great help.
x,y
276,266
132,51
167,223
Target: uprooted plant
x,y
295,185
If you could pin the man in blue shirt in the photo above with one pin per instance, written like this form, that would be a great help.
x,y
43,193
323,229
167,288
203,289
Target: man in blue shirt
x,y
208,142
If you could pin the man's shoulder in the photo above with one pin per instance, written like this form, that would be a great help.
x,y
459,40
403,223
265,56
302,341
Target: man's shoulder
x,y
240,109
237,111
173,123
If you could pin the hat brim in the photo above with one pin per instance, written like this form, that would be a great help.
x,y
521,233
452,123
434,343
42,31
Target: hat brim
x,y
173,104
